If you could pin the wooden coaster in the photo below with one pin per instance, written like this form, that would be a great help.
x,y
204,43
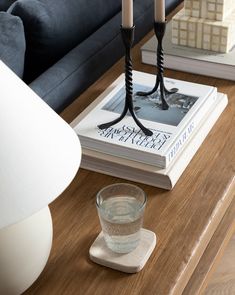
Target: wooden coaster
x,y
130,262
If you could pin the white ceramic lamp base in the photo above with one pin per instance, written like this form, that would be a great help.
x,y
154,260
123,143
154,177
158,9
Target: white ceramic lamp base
x,y
24,250
131,262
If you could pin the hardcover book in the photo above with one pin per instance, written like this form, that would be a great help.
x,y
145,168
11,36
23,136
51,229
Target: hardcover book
x,y
149,174
188,59
171,128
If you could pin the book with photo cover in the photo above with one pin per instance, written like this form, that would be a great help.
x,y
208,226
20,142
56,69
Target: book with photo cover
x,y
188,59
171,128
148,174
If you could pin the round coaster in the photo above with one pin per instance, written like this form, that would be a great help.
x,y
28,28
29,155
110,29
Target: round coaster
x,y
130,262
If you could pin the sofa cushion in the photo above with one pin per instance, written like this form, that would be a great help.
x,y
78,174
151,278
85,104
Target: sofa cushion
x,y
83,65
52,28
12,42
5,4
70,76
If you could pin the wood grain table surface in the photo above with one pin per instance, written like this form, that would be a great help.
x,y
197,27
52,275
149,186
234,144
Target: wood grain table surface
x,y
198,210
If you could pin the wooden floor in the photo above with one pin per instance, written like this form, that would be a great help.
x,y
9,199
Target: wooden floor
x,y
222,281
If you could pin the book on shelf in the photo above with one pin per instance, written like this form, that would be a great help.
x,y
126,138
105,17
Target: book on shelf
x,y
152,175
189,59
171,128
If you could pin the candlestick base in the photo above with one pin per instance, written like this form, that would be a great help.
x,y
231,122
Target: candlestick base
x,y
159,28
128,39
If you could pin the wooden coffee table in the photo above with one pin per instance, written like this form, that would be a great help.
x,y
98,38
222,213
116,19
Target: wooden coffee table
x,y
193,222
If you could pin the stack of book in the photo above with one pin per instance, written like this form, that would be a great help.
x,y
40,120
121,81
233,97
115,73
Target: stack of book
x,y
188,59
124,151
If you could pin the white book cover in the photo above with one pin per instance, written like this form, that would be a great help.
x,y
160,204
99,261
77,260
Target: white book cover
x,y
171,128
148,174
188,59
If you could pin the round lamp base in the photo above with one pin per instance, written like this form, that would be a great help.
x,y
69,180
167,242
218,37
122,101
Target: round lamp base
x,y
24,251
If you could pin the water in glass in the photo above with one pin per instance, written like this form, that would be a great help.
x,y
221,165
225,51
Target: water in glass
x,y
121,221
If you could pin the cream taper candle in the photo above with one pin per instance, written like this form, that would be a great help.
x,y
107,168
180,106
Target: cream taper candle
x,y
127,13
159,10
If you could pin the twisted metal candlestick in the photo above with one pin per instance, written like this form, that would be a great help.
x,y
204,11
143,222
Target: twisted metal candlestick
x,y
159,28
128,39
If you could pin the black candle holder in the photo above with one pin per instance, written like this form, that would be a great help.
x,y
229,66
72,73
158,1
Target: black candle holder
x,y
159,28
128,39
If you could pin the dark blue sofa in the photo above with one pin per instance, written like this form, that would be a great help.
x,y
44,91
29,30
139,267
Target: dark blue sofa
x,y
68,43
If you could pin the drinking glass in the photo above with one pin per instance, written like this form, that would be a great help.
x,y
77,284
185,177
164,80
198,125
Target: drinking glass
x,y
121,208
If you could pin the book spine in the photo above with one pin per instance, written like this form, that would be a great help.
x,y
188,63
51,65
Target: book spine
x,y
186,64
129,173
148,57
188,131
